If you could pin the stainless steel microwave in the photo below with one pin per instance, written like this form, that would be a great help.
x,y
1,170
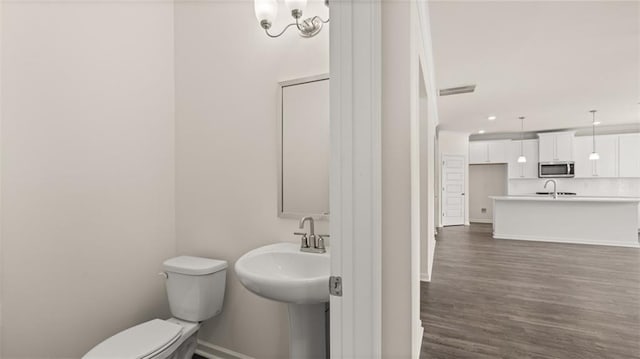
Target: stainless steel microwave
x,y
556,169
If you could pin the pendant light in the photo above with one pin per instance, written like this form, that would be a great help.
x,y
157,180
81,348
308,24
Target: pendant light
x,y
522,158
594,155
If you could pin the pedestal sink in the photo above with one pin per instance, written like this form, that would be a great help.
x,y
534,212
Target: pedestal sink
x,y
283,273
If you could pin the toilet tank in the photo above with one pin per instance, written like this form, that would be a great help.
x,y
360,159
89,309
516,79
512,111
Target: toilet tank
x,y
195,287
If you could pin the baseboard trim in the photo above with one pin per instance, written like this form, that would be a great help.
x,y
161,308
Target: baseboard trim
x,y
564,240
212,351
421,331
480,220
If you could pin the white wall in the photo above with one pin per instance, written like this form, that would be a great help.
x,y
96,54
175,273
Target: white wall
x,y
1,111
227,73
455,143
429,159
87,171
398,63
405,48
485,181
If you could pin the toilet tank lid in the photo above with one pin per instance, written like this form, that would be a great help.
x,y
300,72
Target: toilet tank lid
x,y
194,265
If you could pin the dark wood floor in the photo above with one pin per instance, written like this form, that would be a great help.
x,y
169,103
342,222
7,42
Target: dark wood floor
x,y
518,299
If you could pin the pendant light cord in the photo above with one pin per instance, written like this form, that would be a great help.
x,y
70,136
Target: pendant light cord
x,y
593,134
521,136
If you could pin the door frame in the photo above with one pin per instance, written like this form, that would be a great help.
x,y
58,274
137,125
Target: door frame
x,y
355,178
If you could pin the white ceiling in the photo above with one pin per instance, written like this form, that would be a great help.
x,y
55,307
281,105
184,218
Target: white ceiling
x,y
549,61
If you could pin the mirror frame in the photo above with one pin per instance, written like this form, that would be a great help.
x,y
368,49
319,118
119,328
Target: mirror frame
x,y
281,86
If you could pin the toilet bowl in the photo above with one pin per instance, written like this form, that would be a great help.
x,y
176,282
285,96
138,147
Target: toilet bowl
x,y
195,288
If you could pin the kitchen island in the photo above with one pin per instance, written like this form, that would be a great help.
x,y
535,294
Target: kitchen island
x,y
609,221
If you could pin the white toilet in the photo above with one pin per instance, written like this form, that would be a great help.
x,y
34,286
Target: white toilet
x,y
195,287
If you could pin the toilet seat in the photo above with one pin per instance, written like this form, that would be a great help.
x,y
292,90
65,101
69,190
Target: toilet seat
x,y
144,341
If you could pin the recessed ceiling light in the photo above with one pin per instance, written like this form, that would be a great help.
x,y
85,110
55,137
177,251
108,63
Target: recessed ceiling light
x,y
491,118
481,131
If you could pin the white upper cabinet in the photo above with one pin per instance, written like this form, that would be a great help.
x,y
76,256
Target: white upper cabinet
x,y
528,169
499,151
582,147
564,146
488,151
619,155
607,148
555,146
629,150
547,146
478,152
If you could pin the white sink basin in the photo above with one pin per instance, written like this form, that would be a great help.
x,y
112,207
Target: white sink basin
x,y
281,272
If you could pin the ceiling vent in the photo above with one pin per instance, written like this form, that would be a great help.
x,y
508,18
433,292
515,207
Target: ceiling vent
x,y
457,90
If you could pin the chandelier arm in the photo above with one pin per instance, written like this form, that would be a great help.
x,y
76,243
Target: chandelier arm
x,y
319,18
298,25
281,32
310,20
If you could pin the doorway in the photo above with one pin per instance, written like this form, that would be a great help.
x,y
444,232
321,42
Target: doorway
x,y
485,181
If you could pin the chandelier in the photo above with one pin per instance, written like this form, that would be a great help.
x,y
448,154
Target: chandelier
x,y
266,11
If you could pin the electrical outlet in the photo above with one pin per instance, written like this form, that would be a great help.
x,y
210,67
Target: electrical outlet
x,y
483,210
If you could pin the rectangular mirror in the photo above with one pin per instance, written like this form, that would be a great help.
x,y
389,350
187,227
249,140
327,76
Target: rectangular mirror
x,y
303,128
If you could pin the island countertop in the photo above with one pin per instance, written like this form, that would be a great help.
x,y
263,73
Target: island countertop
x,y
565,198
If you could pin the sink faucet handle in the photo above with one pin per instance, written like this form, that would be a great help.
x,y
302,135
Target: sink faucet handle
x,y
304,241
321,238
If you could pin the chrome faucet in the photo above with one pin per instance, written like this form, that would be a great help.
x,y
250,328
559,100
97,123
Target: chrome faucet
x,y
555,185
311,243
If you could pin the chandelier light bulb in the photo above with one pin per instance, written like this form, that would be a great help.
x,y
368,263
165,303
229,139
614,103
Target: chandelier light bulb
x,y
266,11
296,7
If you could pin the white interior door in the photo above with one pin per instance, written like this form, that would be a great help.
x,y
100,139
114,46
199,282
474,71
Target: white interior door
x,y
453,196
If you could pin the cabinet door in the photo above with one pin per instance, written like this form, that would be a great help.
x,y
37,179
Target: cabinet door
x,y
584,166
564,147
498,151
607,148
629,155
516,170
547,148
530,168
478,152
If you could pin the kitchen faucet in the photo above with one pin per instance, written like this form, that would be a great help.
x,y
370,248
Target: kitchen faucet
x,y
555,193
312,243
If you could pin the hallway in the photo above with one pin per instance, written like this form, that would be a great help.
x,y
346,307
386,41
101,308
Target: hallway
x,y
515,299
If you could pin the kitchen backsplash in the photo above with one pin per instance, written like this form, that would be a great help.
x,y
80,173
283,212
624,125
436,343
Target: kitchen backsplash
x,y
608,187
